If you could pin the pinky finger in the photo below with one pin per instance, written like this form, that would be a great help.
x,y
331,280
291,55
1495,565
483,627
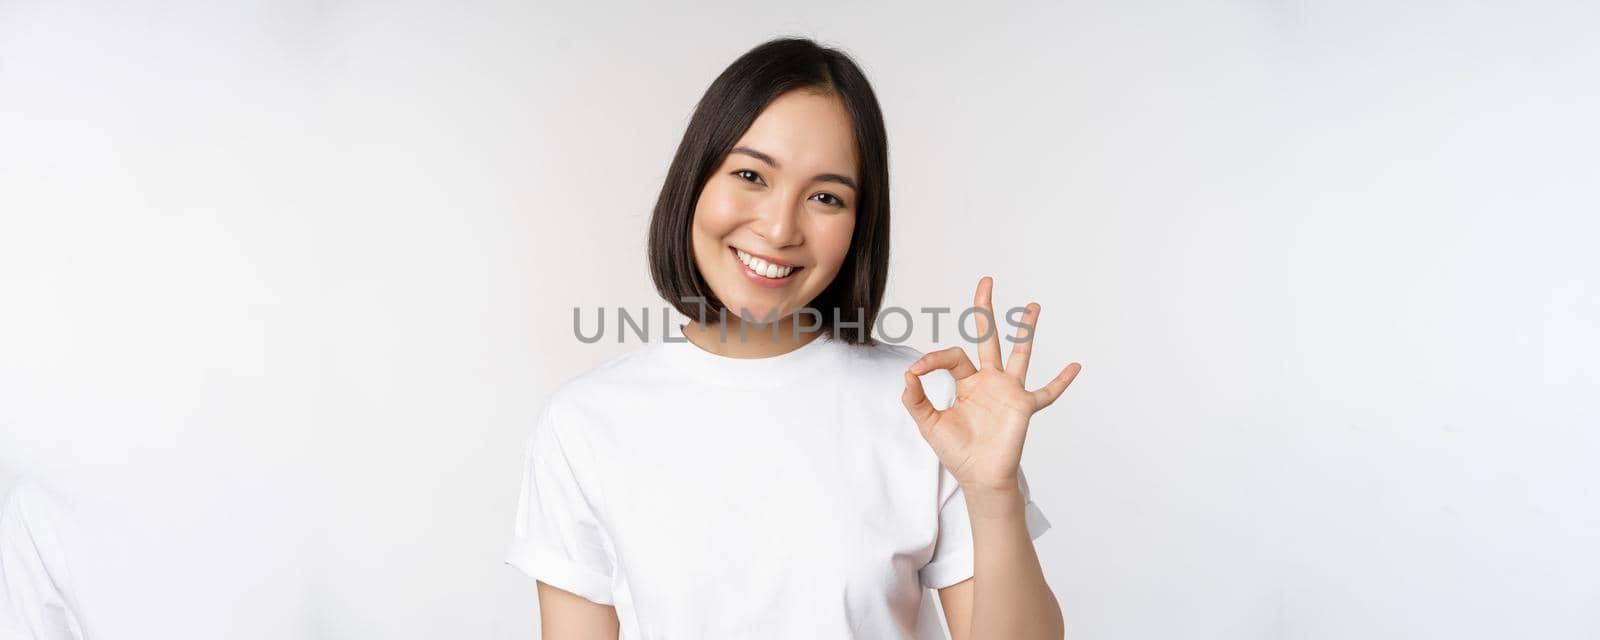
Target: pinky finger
x,y
1047,395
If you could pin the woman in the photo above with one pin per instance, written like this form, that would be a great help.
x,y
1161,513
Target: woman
x,y
758,478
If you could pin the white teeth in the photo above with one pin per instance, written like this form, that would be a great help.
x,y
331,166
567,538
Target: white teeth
x,y
762,267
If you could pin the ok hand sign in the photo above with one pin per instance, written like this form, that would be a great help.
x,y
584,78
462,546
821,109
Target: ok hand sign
x,y
979,436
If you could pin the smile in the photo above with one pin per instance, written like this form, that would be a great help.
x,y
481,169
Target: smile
x,y
764,271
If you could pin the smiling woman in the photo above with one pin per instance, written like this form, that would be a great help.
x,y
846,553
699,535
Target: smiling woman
x,y
798,482
785,159
784,203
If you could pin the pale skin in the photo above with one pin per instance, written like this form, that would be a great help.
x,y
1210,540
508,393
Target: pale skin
x,y
979,439
787,201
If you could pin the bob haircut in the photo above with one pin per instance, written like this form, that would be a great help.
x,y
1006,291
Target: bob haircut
x,y
723,114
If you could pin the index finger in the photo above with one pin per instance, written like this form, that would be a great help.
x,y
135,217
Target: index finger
x,y
953,358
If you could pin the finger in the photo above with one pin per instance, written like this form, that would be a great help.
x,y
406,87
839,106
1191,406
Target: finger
x,y
1017,364
988,347
953,358
1044,397
917,403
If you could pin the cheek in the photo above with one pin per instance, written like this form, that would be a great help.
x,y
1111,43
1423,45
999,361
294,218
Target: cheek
x,y
833,240
716,214
711,223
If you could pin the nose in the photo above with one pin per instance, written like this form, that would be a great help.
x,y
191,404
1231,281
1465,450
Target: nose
x,y
778,222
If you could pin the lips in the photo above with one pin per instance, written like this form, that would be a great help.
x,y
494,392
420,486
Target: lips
x,y
760,279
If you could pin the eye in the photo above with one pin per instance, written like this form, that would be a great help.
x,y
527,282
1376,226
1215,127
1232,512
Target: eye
x,y
741,173
837,201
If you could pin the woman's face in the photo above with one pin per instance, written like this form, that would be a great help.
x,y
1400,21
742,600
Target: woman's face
x,y
782,203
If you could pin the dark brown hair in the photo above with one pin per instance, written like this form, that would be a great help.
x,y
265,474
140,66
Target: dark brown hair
x,y
724,113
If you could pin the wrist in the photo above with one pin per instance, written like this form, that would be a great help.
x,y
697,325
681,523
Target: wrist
x,y
994,501
1003,486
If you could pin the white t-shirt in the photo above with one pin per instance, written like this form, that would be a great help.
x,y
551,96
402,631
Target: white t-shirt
x,y
709,497
37,597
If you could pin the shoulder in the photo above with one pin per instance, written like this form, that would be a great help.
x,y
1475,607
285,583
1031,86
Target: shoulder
x,y
604,384
897,354
889,362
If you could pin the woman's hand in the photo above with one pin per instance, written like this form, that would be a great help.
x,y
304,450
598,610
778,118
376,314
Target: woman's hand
x,y
979,436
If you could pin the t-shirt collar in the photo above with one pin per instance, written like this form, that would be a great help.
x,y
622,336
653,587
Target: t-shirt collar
x,y
745,372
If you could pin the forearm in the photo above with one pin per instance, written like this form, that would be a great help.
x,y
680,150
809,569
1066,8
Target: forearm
x,y
1010,596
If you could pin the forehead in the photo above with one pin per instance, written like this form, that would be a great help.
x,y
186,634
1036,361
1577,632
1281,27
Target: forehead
x,y
806,133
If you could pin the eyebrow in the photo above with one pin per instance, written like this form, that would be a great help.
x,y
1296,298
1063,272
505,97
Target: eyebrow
x,y
824,177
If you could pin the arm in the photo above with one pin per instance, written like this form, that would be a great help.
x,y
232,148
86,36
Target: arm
x,y
1007,597
559,540
979,439
564,615
956,600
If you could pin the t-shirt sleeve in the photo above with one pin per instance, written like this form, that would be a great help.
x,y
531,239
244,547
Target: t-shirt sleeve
x,y
952,559
558,539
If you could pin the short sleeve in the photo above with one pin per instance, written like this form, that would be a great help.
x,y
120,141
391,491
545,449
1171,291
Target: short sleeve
x,y
558,539
952,559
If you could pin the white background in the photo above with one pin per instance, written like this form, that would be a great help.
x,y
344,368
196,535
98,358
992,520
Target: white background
x,y
283,285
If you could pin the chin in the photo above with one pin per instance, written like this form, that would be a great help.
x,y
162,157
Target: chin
x,y
757,310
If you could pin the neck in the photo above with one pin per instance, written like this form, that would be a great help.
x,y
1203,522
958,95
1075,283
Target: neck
x,y
758,340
